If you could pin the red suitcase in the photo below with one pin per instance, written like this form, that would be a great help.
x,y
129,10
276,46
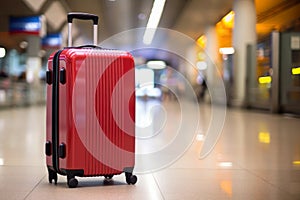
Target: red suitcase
x,y
90,122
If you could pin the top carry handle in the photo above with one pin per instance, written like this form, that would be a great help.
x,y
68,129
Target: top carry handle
x,y
82,16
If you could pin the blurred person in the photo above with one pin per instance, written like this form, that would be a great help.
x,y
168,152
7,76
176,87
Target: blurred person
x,y
170,85
203,87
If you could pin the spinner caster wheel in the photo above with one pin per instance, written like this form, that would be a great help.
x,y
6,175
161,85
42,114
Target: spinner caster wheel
x,y
130,179
52,175
72,182
109,176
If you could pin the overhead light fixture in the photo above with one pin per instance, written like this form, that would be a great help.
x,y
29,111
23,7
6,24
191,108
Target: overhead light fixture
x,y
156,12
2,52
225,164
201,65
201,41
228,20
156,64
226,50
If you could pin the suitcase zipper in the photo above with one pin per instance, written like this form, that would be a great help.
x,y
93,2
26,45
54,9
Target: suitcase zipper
x,y
55,112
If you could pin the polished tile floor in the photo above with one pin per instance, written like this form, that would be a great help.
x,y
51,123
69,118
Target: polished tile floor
x,y
256,157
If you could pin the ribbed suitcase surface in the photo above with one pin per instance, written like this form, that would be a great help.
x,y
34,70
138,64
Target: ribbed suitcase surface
x,y
101,96
96,112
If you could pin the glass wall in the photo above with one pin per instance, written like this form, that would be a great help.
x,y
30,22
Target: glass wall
x,y
15,90
290,72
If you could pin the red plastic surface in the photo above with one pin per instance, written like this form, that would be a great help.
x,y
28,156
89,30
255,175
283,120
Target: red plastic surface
x,y
96,111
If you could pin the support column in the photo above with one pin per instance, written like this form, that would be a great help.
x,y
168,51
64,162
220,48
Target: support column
x,y
244,33
34,61
212,53
33,68
212,59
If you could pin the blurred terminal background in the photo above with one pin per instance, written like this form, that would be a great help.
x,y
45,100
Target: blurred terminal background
x,y
252,46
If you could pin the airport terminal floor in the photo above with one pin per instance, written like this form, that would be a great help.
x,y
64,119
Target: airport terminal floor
x,y
256,157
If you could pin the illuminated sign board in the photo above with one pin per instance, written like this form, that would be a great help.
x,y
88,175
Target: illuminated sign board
x,y
32,25
52,40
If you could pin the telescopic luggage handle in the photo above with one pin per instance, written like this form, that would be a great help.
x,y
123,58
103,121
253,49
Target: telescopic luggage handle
x,y
82,16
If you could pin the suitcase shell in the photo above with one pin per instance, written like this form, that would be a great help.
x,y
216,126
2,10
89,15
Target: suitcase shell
x,y
90,118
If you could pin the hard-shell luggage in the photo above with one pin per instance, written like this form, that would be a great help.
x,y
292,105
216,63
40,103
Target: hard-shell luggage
x,y
90,122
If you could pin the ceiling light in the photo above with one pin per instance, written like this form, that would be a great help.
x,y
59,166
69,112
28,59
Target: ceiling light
x,y
226,50
2,52
201,41
153,21
201,65
228,20
156,64
225,164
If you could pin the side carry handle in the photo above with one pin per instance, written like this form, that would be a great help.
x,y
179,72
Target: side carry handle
x,y
82,16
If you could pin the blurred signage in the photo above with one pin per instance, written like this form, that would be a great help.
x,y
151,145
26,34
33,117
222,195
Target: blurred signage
x,y
52,41
31,25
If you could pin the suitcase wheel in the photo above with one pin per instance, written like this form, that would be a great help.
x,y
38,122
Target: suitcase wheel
x,y
52,175
130,178
109,176
72,182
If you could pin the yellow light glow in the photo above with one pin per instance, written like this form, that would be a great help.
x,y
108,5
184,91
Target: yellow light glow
x,y
201,56
296,162
201,41
265,79
228,20
264,137
296,70
227,187
229,17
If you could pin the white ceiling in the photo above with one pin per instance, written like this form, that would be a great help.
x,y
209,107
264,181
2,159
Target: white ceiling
x,y
186,16
189,17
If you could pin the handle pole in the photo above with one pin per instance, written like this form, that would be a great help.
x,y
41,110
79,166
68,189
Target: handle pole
x,y
95,34
69,34
82,16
